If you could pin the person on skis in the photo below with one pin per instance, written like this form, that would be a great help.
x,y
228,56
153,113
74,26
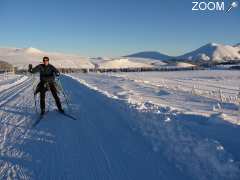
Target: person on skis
x,y
47,82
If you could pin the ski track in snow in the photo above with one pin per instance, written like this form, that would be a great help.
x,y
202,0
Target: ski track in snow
x,y
111,140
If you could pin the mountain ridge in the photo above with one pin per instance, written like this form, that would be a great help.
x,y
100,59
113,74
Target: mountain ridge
x,y
151,55
209,52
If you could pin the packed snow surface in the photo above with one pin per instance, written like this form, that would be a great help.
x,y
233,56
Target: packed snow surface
x,y
119,134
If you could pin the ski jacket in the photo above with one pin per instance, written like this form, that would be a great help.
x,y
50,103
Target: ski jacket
x,y
47,73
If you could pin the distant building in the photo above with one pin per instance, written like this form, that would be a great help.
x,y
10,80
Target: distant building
x,y
6,67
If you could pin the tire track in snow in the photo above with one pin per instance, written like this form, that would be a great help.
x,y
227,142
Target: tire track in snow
x,y
10,93
12,133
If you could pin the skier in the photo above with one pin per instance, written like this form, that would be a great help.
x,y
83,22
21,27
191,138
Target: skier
x,y
47,81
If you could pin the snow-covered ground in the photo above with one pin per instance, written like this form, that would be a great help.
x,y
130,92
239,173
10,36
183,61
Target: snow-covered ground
x,y
9,80
211,93
122,63
113,139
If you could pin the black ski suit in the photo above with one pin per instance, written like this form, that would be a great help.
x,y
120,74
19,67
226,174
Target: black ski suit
x,y
47,81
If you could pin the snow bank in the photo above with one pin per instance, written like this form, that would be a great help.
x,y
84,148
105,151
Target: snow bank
x,y
195,154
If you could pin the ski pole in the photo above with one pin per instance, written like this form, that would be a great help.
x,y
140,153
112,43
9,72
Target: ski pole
x,y
64,94
33,88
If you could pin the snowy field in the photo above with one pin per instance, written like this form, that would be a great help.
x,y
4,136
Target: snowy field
x,y
215,94
129,126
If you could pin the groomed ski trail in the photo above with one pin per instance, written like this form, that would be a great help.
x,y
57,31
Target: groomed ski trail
x,y
99,145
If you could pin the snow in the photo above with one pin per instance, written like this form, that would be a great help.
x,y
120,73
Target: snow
x,y
208,93
150,61
209,52
121,63
183,64
128,126
21,57
32,50
213,52
191,138
8,80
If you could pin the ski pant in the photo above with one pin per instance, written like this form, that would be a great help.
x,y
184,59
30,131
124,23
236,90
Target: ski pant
x,y
43,88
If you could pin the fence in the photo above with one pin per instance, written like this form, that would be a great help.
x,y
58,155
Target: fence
x,y
4,75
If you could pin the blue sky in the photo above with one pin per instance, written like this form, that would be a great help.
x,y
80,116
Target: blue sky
x,y
113,27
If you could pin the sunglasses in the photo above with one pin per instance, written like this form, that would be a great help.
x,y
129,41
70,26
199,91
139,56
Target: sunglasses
x,y
45,60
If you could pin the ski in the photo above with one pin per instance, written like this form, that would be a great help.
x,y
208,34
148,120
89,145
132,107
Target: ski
x,y
40,117
68,115
37,121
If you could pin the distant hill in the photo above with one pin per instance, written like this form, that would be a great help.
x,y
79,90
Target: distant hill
x,y
209,53
21,57
150,55
213,52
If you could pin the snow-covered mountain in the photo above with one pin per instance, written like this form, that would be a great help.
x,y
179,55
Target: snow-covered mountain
x,y
21,57
150,55
213,52
209,52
